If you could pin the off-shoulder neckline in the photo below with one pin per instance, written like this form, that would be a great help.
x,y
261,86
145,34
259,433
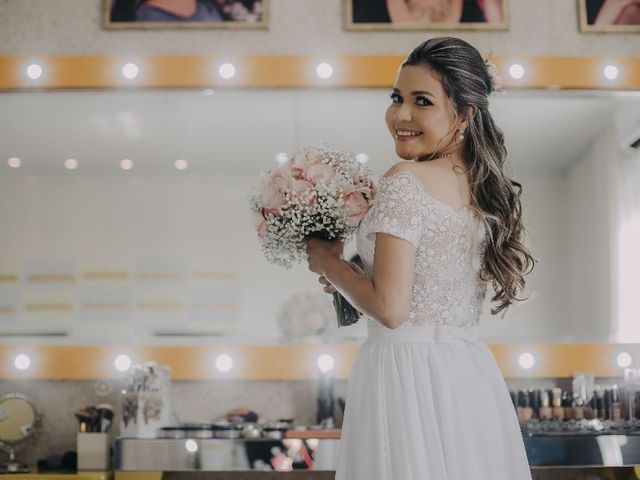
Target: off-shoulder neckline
x,y
462,211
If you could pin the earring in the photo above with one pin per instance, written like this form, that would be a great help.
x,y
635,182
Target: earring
x,y
461,136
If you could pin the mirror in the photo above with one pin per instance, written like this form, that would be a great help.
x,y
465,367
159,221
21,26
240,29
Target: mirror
x,y
18,424
95,253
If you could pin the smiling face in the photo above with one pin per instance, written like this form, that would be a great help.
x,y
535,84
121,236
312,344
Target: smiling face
x,y
421,117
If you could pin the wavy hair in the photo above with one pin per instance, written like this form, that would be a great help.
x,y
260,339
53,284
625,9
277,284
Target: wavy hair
x,y
495,197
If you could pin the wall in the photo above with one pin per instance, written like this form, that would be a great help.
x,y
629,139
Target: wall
x,y
591,203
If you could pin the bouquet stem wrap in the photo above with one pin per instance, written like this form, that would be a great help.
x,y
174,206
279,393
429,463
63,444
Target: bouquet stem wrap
x,y
346,314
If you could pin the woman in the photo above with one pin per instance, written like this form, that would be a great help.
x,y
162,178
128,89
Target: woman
x,y
185,10
425,399
613,12
427,11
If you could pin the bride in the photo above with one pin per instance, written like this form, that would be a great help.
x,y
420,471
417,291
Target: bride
x,y
425,398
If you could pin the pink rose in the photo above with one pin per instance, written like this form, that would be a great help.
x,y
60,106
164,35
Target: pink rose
x,y
320,172
300,186
356,207
272,197
315,159
259,222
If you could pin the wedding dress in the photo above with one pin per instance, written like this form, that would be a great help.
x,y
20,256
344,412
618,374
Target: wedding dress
x,y
426,401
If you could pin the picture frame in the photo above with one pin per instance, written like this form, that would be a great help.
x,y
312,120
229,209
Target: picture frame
x,y
378,15
143,14
590,10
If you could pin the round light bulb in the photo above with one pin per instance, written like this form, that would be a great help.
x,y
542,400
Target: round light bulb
x,y
324,70
191,446
122,363
325,363
610,72
14,162
130,71
624,360
22,362
126,164
227,70
526,360
71,164
362,157
181,164
224,363
282,158
34,71
516,71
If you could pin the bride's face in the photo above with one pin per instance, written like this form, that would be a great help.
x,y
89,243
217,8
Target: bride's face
x,y
420,117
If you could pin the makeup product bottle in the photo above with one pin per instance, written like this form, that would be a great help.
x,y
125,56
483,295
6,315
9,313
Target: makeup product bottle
x,y
545,409
567,404
525,412
616,406
578,409
600,404
557,411
534,401
592,412
514,399
608,408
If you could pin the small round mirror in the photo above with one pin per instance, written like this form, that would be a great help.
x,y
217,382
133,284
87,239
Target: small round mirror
x,y
18,422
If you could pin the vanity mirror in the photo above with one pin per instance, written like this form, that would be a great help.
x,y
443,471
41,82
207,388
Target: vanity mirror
x,y
19,423
124,213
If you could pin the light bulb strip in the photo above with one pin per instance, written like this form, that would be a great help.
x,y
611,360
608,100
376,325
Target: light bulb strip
x,y
359,71
292,362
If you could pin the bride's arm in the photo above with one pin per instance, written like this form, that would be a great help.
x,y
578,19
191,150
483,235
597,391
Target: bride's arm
x,y
386,296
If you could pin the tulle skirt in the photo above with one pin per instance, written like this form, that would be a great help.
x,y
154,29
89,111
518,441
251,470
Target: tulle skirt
x,y
428,403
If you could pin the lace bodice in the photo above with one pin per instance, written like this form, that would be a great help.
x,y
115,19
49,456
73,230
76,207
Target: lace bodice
x,y
449,243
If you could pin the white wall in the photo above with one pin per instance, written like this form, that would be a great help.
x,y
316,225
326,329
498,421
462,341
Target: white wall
x,y
569,216
590,227
542,317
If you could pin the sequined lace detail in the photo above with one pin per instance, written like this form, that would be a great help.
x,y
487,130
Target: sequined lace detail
x,y
449,243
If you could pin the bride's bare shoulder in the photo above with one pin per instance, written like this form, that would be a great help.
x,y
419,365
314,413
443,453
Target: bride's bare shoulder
x,y
401,167
424,172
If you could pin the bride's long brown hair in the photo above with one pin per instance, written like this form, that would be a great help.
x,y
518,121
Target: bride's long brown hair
x,y
495,196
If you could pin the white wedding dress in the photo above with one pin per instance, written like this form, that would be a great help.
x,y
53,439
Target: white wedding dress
x,y
426,401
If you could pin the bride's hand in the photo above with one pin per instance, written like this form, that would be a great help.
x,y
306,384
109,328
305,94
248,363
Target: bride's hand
x,y
328,288
322,252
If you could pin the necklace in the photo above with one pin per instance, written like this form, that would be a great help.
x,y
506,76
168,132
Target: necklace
x,y
442,155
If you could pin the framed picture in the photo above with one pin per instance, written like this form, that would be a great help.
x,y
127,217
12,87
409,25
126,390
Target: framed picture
x,y
159,14
426,15
609,16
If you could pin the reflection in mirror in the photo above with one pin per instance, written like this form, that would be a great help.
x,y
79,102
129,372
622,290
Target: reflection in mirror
x,y
18,424
124,213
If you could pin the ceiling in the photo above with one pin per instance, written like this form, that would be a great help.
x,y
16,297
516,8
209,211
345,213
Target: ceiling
x,y
241,130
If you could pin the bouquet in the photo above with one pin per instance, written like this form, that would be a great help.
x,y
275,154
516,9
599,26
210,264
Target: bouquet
x,y
318,192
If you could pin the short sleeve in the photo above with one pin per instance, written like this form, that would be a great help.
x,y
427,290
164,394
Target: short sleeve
x,y
397,208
